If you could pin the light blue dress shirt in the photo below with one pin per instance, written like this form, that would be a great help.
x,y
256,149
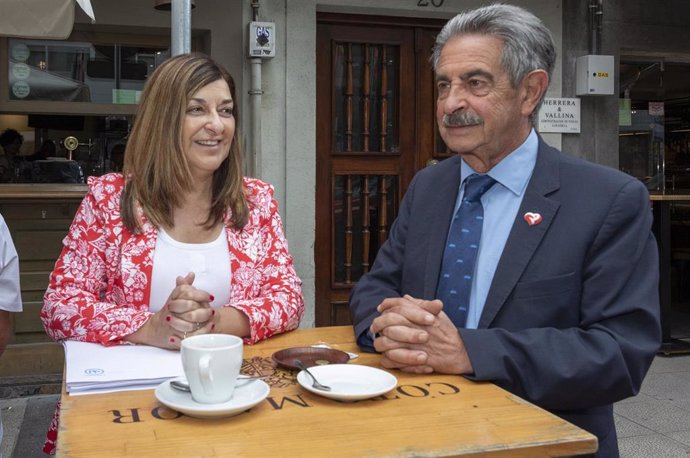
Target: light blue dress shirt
x,y
501,204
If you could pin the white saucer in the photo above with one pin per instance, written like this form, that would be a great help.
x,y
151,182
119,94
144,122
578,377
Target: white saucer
x,y
348,382
245,397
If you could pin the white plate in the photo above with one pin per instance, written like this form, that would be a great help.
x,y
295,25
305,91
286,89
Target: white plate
x,y
245,397
348,382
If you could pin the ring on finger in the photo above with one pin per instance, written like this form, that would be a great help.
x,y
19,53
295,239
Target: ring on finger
x,y
198,325
184,335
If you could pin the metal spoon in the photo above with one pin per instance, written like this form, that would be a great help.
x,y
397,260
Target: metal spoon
x,y
180,385
315,383
242,379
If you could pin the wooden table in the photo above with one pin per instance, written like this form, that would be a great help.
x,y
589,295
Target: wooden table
x,y
662,231
426,415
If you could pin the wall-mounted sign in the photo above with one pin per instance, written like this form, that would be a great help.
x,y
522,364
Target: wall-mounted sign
x,y
21,71
21,89
126,96
624,112
559,115
262,39
656,108
20,52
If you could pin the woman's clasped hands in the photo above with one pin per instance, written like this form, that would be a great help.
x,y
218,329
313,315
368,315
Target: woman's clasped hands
x,y
187,312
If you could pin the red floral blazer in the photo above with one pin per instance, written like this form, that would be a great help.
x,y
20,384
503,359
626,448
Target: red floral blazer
x,y
100,287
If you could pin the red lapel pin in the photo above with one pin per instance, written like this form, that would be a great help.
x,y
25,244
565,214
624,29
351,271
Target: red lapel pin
x,y
532,218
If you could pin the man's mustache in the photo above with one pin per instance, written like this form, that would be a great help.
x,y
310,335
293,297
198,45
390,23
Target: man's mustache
x,y
461,119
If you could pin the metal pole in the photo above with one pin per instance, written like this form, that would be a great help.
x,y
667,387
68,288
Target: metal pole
x,y
255,92
596,12
254,166
180,27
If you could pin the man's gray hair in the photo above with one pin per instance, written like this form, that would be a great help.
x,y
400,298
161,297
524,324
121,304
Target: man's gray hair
x,y
528,44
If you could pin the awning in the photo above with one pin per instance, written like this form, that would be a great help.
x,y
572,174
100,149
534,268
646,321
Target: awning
x,y
51,19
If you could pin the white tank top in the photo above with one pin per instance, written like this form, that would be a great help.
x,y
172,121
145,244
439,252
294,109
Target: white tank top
x,y
210,262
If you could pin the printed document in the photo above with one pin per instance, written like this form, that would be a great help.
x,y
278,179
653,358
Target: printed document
x,y
94,368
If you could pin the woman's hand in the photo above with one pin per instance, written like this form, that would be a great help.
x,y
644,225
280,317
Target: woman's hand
x,y
189,309
187,312
191,313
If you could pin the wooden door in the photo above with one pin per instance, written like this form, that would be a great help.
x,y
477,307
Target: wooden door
x,y
375,129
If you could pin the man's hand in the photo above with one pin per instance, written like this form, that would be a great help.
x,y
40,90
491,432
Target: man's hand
x,y
416,336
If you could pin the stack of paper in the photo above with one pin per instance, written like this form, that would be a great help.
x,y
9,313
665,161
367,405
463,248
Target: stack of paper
x,y
94,368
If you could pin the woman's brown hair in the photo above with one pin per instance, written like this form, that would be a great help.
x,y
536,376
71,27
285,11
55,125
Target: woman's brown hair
x,y
155,166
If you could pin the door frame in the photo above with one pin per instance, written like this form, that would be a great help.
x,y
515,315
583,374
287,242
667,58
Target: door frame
x,y
421,120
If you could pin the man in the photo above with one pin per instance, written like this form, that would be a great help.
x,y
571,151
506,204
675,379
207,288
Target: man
x,y
11,142
560,301
10,297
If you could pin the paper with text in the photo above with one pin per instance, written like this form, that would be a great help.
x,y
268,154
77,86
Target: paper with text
x,y
94,368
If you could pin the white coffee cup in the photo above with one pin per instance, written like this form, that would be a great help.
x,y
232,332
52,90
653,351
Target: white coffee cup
x,y
212,364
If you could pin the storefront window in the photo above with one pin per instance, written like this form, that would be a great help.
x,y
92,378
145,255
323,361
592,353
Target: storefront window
x,y
654,124
71,103
70,71
641,142
63,148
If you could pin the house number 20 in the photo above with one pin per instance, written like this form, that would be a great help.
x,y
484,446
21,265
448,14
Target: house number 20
x,y
434,3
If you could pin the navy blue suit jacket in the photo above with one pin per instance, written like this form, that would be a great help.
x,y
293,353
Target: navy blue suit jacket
x,y
571,321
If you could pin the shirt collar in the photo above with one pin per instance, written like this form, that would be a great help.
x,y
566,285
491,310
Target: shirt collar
x,y
515,170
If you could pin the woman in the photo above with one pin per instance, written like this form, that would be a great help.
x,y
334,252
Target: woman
x,y
179,244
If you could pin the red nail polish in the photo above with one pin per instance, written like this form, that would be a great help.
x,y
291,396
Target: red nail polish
x,y
172,340
213,326
167,318
213,312
211,297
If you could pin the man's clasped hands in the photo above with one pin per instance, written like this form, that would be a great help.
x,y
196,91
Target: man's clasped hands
x,y
416,335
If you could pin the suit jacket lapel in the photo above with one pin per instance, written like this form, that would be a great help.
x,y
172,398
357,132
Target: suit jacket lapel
x,y
442,211
524,239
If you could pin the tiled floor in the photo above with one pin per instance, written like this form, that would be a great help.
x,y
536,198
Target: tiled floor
x,y
655,423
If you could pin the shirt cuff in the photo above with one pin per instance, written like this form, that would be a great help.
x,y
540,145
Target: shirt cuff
x,y
365,341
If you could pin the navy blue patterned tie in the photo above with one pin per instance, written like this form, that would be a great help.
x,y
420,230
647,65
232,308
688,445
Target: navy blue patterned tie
x,y
460,255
